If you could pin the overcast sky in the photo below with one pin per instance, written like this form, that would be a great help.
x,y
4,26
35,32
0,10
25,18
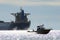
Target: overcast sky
x,y
31,2
42,11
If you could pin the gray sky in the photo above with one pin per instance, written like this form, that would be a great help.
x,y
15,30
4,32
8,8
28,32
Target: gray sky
x,y
42,11
30,2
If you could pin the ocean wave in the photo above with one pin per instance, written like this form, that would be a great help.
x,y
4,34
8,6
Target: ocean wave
x,y
24,35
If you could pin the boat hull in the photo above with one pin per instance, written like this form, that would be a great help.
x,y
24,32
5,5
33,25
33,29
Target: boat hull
x,y
17,26
43,31
22,26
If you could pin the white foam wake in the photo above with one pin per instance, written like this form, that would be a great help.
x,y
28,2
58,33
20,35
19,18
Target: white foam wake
x,y
24,35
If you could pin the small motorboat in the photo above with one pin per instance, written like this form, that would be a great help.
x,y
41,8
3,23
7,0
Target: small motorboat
x,y
41,30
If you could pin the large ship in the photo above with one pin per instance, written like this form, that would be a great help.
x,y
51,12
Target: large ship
x,y
21,22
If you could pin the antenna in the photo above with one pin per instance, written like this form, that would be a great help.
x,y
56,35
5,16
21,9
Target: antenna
x,y
20,8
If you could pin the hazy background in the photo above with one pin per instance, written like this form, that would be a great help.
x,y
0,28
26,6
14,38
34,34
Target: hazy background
x,y
45,12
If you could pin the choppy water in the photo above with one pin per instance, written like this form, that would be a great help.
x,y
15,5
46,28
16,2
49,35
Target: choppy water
x,y
24,35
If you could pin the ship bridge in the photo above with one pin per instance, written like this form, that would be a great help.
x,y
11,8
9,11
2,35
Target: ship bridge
x,y
21,16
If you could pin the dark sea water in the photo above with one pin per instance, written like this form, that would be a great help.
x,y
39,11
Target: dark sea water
x,y
24,35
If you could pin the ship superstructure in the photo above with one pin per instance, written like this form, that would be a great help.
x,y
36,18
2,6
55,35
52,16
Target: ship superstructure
x,y
21,20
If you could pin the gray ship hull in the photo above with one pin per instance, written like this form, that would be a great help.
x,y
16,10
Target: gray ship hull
x,y
22,26
11,26
5,26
